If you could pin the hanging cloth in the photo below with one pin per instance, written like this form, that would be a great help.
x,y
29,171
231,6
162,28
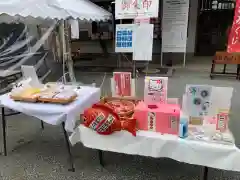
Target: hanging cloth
x,y
74,29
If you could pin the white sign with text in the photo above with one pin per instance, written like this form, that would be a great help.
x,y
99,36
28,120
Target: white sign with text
x,y
175,25
129,9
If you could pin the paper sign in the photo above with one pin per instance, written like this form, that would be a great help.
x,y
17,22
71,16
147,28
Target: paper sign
x,y
173,123
122,81
129,9
155,90
30,72
141,20
222,122
175,25
143,42
198,100
124,37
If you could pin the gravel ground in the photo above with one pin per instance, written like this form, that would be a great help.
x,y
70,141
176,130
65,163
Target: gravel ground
x,y
36,154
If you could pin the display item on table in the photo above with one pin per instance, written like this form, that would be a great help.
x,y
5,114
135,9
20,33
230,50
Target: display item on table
x,y
183,126
162,118
197,120
155,90
124,107
50,93
104,120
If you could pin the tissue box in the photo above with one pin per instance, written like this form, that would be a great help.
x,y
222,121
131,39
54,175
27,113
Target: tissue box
x,y
162,118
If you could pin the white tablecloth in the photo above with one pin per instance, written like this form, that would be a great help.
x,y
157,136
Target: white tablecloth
x,y
55,114
153,144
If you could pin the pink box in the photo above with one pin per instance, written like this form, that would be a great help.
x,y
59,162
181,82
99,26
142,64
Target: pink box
x,y
163,118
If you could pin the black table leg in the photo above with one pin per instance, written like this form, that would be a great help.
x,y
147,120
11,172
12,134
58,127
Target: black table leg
x,y
238,71
224,68
205,173
100,156
68,149
4,132
42,125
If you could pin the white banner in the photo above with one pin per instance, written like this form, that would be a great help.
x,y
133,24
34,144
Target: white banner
x,y
129,9
124,37
175,25
143,42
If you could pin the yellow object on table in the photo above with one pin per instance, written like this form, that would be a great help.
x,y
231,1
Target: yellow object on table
x,y
28,95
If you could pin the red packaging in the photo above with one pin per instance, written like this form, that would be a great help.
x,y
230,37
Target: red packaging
x,y
104,120
122,83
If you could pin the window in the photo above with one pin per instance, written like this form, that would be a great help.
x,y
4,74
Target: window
x,y
216,4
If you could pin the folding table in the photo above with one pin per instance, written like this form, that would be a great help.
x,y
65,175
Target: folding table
x,y
156,145
54,114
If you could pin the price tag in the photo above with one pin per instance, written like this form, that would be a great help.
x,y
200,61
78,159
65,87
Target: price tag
x,y
152,121
173,123
196,121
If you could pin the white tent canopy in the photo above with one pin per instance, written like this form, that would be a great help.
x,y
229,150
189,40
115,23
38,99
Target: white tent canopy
x,y
88,9
51,9
35,10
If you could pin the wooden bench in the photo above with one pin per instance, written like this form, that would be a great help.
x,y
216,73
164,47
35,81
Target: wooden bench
x,y
225,58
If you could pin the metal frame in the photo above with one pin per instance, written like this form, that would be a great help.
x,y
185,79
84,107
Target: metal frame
x,y
100,157
205,173
4,126
224,73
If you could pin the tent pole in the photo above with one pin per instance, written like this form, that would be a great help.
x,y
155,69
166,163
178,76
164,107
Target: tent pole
x,y
184,59
113,34
69,60
63,48
66,59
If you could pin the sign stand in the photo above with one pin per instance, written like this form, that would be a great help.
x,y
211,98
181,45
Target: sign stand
x,y
184,59
119,54
130,10
161,58
134,70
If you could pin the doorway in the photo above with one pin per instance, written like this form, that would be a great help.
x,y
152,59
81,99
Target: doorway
x,y
214,17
